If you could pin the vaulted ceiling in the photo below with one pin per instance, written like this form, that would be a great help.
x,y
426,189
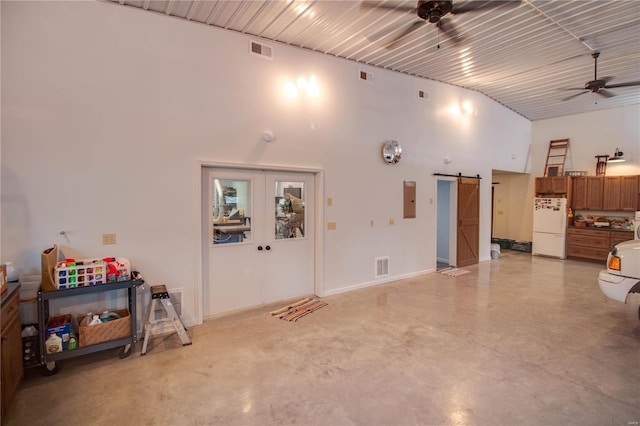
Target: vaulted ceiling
x,y
528,55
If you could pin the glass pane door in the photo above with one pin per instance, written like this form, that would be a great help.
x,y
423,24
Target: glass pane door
x,y
289,209
231,202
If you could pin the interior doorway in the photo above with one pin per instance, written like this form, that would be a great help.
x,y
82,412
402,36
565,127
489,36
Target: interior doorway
x,y
446,218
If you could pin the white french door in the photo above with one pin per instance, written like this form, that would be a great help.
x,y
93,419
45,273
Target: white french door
x,y
261,238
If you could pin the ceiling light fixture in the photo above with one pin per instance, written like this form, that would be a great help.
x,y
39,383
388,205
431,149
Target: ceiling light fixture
x,y
617,157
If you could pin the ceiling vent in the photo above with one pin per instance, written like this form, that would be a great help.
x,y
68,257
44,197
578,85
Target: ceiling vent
x,y
260,49
382,266
366,76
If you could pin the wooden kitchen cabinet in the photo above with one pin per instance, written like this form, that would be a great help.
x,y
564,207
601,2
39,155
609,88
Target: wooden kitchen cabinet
x,y
619,237
595,192
588,244
593,244
630,193
11,351
557,185
611,193
579,201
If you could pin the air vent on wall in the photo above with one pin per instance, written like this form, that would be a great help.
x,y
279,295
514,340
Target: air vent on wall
x,y
366,76
382,266
423,95
260,49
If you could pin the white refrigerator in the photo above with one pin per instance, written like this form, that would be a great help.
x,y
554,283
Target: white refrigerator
x,y
549,227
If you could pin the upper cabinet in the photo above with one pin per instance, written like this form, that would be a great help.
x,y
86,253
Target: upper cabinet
x,y
579,193
630,193
555,185
611,193
595,190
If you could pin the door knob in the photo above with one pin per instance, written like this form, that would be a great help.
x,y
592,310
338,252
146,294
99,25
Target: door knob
x,y
268,247
259,248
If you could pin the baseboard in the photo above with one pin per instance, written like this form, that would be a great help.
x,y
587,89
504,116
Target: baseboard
x,y
377,282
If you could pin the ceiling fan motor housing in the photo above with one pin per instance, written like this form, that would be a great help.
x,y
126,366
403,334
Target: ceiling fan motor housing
x,y
432,11
595,85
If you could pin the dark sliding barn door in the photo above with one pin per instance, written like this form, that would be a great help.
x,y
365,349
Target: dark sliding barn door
x,y
468,221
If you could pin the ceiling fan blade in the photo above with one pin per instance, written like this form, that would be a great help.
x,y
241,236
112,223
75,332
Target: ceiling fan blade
x,y
478,6
379,5
450,30
573,96
605,93
404,34
628,84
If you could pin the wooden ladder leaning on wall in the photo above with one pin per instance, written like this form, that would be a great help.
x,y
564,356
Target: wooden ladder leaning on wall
x,y
556,157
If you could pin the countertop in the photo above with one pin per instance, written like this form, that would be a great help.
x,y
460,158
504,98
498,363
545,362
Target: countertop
x,y
600,228
11,288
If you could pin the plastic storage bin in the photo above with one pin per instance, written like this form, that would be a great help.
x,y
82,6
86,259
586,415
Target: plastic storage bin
x,y
80,273
521,246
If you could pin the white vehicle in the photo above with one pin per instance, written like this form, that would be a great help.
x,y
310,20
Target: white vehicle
x,y
622,276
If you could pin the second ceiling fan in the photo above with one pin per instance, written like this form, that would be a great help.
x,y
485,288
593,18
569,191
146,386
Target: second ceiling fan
x,y
599,85
434,11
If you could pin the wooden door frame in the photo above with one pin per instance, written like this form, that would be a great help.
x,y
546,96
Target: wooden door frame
x,y
199,222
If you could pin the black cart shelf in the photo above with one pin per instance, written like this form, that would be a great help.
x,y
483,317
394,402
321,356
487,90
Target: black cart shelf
x,y
44,297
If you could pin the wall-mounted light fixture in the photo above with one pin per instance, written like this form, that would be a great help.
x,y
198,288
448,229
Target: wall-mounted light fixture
x,y
464,108
617,157
302,84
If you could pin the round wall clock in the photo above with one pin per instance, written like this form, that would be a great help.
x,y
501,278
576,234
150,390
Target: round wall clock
x,y
391,152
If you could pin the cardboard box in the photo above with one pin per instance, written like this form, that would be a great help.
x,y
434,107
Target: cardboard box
x,y
49,259
61,325
107,331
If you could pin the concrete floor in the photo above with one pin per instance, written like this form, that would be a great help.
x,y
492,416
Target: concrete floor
x,y
520,340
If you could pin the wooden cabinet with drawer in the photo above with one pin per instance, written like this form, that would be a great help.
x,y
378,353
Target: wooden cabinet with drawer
x,y
619,237
589,244
12,368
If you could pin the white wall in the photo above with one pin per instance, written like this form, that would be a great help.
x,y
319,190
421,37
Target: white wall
x,y
107,111
591,134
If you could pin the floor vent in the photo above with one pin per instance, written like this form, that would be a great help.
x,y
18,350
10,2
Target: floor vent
x,y
382,266
423,95
260,49
366,76
176,299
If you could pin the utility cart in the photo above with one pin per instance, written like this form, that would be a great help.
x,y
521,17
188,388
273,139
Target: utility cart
x,y
126,343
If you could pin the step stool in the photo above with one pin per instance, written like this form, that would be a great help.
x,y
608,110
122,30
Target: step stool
x,y
159,294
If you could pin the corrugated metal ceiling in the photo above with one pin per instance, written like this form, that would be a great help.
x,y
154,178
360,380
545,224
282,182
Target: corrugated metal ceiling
x,y
522,55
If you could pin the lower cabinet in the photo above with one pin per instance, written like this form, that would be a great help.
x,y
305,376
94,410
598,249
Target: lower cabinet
x,y
620,236
11,348
593,244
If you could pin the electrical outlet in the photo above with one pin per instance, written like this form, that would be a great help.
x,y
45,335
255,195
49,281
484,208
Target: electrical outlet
x,y
108,239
